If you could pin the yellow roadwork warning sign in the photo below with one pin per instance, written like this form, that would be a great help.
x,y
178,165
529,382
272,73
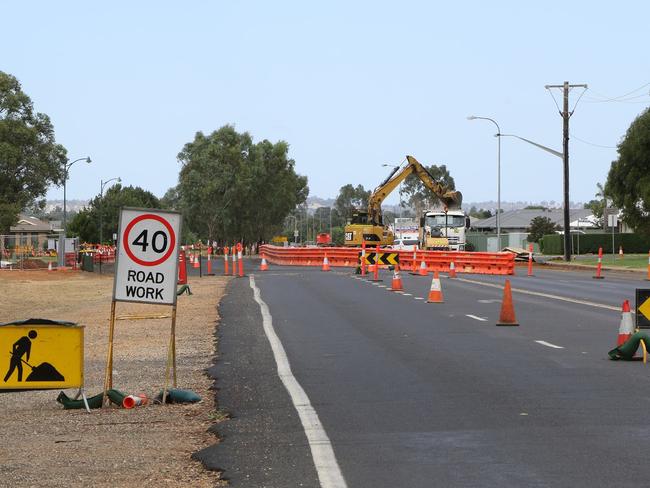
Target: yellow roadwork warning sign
x,y
41,354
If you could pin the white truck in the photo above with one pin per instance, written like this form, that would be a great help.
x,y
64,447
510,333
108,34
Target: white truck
x,y
443,230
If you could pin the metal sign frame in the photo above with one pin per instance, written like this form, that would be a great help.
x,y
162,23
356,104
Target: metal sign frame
x,y
641,295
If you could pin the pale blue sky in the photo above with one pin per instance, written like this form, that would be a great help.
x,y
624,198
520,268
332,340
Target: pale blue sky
x,y
350,85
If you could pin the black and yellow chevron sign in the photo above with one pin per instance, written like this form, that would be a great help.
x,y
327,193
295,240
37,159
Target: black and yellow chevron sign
x,y
387,258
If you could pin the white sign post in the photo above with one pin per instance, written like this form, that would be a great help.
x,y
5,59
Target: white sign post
x,y
146,271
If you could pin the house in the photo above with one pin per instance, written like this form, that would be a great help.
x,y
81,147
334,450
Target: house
x,y
31,232
517,221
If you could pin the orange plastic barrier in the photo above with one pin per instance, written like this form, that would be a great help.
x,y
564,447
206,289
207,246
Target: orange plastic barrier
x,y
497,263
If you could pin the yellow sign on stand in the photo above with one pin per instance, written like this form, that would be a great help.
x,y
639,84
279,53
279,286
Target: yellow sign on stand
x,y
41,354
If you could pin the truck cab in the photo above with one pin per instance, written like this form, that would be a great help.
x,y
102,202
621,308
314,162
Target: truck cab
x,y
443,230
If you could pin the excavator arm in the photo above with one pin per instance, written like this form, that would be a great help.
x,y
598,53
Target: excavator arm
x,y
450,199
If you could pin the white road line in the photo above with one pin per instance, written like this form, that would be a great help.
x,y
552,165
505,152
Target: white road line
x,y
481,319
407,295
548,344
383,286
329,473
544,295
418,298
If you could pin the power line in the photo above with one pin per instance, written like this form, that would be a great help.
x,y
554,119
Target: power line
x,y
573,136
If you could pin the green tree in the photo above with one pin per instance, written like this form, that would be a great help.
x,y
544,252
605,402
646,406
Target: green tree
x,y
597,205
419,196
171,199
351,198
628,181
479,214
30,158
231,189
539,227
86,223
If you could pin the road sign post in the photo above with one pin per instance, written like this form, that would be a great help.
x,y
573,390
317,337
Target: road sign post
x,y
146,271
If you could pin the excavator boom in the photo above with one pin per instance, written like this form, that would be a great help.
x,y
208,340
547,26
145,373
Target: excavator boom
x,y
369,227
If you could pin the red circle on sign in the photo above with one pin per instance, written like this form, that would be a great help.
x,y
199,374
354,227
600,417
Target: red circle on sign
x,y
127,249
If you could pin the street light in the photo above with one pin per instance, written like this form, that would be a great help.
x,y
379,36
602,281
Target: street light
x,y
568,242
66,169
498,136
102,184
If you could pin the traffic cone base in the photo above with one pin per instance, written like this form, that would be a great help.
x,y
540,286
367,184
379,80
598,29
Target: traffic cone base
x,y
507,316
435,292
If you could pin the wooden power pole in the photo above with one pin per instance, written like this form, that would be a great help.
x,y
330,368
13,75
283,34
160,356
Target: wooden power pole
x,y
565,114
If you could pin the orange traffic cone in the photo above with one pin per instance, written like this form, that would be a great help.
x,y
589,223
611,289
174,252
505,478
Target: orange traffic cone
x,y
264,266
131,401
507,316
326,263
423,268
196,261
435,293
49,267
626,328
452,270
620,251
397,280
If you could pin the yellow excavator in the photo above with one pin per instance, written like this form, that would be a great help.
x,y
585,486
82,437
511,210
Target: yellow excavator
x,y
369,226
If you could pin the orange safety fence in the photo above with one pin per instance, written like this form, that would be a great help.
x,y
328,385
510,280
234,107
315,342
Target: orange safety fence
x,y
496,263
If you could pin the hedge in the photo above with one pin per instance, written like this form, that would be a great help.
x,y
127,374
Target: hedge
x,y
589,243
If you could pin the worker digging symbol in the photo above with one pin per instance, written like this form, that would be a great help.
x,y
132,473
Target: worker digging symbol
x,y
43,372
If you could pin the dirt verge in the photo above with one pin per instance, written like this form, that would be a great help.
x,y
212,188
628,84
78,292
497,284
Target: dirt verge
x,y
45,445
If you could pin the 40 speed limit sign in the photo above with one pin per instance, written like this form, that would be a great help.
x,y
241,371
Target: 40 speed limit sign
x,y
147,256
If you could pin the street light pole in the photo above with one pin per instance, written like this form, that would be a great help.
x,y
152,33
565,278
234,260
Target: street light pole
x,y
66,170
498,136
102,184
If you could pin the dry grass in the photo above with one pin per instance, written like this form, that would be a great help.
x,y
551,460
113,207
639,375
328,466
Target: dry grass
x,y
45,445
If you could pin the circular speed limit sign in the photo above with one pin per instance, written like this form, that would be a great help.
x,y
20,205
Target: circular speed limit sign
x,y
146,261
149,240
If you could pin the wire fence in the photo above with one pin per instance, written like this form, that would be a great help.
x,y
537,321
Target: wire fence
x,y
40,251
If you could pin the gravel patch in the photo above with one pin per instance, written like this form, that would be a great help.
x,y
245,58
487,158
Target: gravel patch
x,y
45,445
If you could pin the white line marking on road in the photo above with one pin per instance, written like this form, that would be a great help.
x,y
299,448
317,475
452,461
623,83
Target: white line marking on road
x,y
407,295
329,473
481,319
489,301
418,298
544,295
548,344
383,286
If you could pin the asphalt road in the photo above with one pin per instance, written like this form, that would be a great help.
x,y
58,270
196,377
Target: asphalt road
x,y
413,394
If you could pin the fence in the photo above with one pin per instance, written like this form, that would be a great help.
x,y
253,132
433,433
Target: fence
x,y
23,252
502,263
589,243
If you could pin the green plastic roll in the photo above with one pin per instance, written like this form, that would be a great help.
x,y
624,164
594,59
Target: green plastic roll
x,y
176,395
627,350
115,396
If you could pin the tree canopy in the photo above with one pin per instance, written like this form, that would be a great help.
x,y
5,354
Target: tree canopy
x,y
351,198
628,181
30,158
86,223
232,189
419,196
539,227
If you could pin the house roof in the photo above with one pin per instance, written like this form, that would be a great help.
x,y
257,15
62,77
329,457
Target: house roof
x,y
520,219
30,224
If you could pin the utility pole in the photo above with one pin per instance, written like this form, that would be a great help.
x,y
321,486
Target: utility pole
x,y
565,114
